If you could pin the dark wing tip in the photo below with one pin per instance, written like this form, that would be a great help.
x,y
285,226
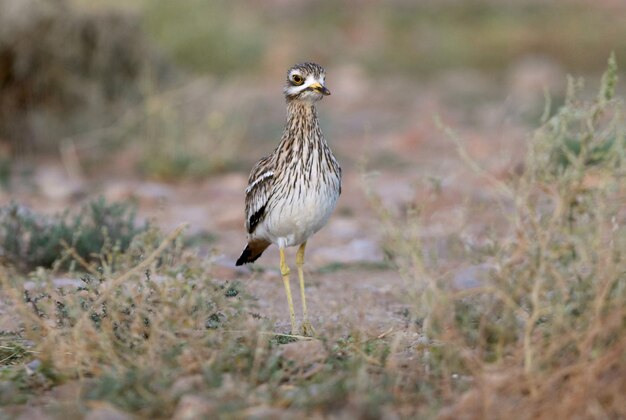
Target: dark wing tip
x,y
244,258
252,253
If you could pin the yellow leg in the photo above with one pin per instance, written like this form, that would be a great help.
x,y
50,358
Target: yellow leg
x,y
307,329
284,271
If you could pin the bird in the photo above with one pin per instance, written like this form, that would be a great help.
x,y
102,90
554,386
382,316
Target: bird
x,y
292,192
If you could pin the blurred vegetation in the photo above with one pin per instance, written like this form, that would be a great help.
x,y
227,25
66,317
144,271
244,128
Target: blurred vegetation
x,y
62,71
215,37
72,68
543,333
149,326
398,37
178,137
587,139
29,240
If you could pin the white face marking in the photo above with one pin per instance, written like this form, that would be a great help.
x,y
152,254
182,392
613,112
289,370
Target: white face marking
x,y
310,80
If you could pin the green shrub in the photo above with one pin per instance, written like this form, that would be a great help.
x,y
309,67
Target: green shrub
x,y
582,134
29,240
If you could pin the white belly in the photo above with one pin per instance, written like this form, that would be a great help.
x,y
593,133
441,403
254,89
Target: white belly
x,y
292,222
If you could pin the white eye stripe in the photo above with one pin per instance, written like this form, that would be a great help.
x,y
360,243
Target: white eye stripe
x,y
299,88
311,80
292,89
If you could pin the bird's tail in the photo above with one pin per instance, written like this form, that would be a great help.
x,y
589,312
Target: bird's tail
x,y
253,250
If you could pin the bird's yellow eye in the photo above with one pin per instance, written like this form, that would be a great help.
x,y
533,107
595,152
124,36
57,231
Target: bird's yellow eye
x,y
297,79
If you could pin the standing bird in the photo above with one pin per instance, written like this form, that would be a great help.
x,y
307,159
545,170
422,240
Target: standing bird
x,y
292,192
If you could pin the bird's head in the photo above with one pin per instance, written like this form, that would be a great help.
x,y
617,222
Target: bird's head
x,y
305,82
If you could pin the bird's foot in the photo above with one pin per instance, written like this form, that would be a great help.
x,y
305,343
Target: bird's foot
x,y
307,329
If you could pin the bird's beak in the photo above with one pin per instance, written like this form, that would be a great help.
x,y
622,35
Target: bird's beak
x,y
319,88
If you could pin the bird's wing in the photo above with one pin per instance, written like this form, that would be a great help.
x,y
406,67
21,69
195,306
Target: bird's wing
x,y
258,192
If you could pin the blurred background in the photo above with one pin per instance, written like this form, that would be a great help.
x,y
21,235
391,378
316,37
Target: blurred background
x,y
170,103
474,264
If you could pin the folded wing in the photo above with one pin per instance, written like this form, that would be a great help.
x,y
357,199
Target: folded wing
x,y
258,192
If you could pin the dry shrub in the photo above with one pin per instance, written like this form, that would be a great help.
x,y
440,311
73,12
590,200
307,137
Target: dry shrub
x,y
62,70
140,321
150,329
544,336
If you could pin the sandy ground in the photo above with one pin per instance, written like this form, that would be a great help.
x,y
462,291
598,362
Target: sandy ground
x,y
408,163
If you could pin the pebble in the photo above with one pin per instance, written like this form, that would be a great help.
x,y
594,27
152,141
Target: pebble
x,y
193,407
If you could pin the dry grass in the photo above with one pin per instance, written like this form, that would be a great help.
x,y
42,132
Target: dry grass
x,y
542,336
150,331
151,327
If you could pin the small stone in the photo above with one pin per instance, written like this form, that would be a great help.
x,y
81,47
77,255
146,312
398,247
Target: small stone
x,y
9,323
107,413
266,412
471,277
33,413
69,391
357,250
152,192
186,384
65,282
118,190
33,365
55,184
58,282
193,407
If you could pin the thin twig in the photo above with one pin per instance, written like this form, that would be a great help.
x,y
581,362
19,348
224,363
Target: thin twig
x,y
299,337
386,333
450,134
78,258
9,357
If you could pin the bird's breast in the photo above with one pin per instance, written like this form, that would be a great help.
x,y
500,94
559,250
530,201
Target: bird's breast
x,y
303,201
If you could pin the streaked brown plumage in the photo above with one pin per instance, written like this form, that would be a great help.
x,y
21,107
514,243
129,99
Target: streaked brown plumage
x,y
292,192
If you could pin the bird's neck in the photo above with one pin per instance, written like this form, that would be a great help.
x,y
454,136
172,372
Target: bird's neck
x,y
302,125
